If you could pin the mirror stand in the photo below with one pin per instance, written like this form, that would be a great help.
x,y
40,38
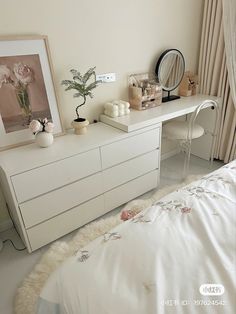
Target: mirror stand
x,y
169,97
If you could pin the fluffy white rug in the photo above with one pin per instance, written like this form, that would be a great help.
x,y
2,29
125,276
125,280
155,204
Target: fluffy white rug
x,y
27,294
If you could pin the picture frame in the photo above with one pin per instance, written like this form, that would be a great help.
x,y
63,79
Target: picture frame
x,y
27,89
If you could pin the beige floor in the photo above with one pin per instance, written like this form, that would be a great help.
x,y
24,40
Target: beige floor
x,y
14,265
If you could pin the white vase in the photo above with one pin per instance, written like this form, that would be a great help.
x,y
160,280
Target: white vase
x,y
44,139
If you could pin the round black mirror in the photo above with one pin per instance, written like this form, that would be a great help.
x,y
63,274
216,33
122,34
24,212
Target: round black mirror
x,y
170,70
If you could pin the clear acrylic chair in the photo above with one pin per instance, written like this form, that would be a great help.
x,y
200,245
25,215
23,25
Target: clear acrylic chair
x,y
186,131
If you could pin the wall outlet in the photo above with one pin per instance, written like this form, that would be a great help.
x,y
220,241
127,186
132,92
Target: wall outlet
x,y
106,78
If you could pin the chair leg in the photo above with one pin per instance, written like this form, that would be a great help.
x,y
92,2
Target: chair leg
x,y
214,133
186,148
212,149
187,160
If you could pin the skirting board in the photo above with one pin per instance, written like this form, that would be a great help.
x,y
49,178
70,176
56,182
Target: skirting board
x,y
5,225
170,154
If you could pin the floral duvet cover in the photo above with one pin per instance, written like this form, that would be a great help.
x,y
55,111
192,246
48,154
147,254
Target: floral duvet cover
x,y
177,256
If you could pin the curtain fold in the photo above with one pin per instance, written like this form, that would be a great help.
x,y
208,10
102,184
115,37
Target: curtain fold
x,y
229,23
214,76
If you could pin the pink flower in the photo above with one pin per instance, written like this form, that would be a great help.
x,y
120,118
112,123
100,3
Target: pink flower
x,y
4,75
185,210
49,127
127,214
35,126
124,215
23,73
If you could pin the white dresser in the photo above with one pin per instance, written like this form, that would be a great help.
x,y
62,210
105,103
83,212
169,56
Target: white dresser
x,y
52,191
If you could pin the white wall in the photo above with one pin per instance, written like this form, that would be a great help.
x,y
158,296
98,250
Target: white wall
x,y
122,36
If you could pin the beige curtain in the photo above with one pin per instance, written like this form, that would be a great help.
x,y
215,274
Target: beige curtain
x,y
214,79
229,24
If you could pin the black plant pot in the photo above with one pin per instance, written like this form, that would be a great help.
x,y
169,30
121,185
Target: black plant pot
x,y
79,120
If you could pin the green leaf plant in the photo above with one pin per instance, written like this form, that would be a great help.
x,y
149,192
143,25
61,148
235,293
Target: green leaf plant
x,y
81,84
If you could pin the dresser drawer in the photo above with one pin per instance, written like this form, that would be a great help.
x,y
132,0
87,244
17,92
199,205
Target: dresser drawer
x,y
55,202
130,169
131,189
130,147
60,225
38,181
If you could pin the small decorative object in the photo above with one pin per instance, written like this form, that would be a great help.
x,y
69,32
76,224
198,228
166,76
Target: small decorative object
x,y
189,84
144,91
83,89
42,129
116,108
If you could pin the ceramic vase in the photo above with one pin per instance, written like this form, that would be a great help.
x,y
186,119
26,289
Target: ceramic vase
x,y
80,126
44,139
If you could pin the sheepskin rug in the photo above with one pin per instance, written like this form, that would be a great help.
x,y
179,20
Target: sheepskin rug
x,y
27,294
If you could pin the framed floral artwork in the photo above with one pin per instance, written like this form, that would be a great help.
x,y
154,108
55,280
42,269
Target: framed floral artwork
x,y
26,89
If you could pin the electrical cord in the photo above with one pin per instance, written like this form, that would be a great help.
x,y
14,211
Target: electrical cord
x,y
16,248
4,241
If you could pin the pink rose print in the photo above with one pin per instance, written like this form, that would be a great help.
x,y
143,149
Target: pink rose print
x,y
23,73
185,210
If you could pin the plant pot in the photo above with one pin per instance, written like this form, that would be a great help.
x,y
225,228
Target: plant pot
x,y
80,125
44,139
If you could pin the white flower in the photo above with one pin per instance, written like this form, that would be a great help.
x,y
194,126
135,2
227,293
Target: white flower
x,y
49,127
23,73
4,74
35,126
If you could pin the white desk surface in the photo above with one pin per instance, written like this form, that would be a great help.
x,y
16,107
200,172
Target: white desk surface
x,y
166,111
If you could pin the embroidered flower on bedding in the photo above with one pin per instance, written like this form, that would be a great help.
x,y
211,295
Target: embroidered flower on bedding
x,y
111,236
84,255
199,191
216,177
140,218
169,206
174,205
229,166
186,210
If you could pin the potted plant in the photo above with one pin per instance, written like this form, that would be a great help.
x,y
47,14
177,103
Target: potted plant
x,y
83,86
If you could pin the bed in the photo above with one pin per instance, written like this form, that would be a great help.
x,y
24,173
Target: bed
x,y
177,256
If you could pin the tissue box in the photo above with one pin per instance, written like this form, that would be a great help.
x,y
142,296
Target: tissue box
x,y
144,91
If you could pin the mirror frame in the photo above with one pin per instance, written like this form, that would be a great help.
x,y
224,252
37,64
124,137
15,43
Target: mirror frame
x,y
157,71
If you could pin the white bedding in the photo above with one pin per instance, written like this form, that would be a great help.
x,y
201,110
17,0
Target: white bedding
x,y
156,262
